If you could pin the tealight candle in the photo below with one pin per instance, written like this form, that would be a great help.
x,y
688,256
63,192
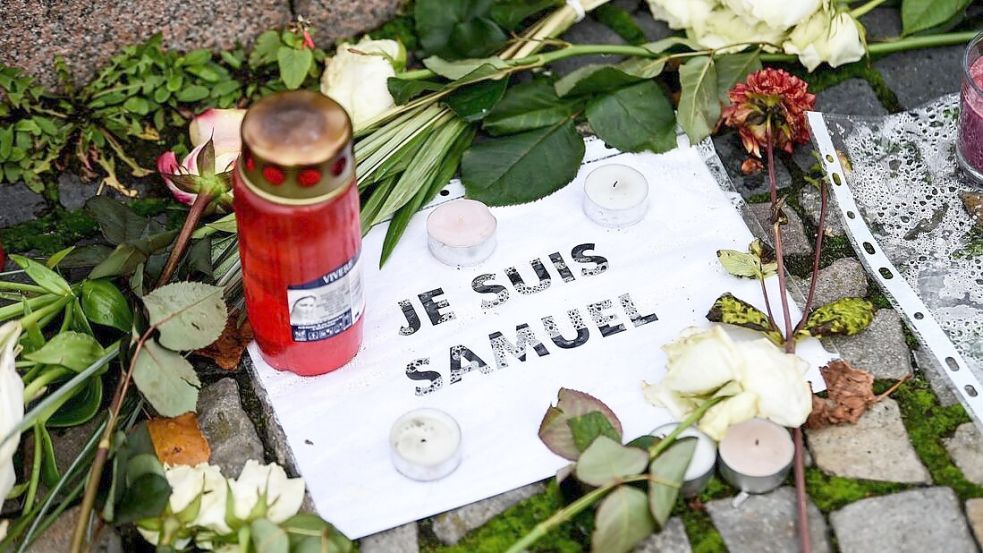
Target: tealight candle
x,y
700,468
756,455
615,195
425,444
461,232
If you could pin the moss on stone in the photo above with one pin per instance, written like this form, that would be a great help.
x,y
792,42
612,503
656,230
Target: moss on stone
x,y
502,531
928,424
831,493
703,536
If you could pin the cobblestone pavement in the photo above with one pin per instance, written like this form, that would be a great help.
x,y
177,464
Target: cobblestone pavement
x,y
907,477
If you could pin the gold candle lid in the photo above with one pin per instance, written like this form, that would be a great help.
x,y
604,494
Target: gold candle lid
x,y
296,147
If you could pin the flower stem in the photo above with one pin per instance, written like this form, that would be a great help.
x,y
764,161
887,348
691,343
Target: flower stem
x,y
19,287
690,420
569,512
820,233
856,13
32,488
896,45
190,222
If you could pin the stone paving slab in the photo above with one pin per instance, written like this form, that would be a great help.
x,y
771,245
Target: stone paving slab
x,y
794,239
938,381
916,521
231,435
766,523
844,278
917,76
810,201
851,97
966,450
876,448
974,514
402,539
732,155
672,539
881,349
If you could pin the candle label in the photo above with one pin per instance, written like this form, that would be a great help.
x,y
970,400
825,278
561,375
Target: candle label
x,y
328,305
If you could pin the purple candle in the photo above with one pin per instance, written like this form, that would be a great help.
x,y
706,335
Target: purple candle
x,y
970,140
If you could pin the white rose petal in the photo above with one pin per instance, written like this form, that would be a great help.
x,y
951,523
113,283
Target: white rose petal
x,y
11,403
733,410
724,28
778,380
357,77
187,483
283,495
662,396
680,14
700,361
834,38
777,14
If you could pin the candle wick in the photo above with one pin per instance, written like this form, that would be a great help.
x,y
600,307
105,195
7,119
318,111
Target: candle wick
x,y
755,441
615,184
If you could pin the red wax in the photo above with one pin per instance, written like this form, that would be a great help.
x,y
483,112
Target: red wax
x,y
971,118
284,246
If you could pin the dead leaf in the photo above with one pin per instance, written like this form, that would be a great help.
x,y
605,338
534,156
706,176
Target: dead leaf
x,y
850,392
179,441
973,202
227,350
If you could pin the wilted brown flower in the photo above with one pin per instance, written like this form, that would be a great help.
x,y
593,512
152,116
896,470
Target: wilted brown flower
x,y
770,98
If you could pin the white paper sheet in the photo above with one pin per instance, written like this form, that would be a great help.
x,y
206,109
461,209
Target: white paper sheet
x,y
338,424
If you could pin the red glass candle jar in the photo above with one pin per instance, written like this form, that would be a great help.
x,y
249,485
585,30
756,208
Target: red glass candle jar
x,y
297,210
969,148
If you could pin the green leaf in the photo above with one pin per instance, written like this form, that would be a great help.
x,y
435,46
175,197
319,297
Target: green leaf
x,y
592,79
264,49
49,463
104,304
294,65
739,264
510,13
635,118
606,460
188,315
587,428
130,255
145,497
733,68
668,470
192,93
472,68
80,406
843,317
643,68
556,433
443,174
137,105
404,90
928,15
72,350
268,537
58,256
730,310
528,106
621,522
460,28
117,222
523,167
474,102
43,276
166,380
699,103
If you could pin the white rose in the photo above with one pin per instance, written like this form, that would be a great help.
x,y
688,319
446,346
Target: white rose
x,y
283,495
661,396
834,38
723,28
188,483
778,380
778,14
11,403
356,77
700,361
680,14
733,410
